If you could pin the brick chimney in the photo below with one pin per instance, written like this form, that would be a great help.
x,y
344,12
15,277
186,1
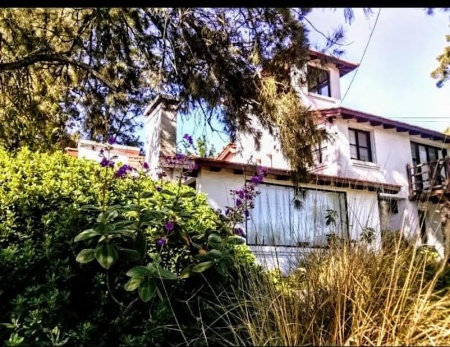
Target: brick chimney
x,y
160,130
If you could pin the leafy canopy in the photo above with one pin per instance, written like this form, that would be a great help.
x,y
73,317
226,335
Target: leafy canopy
x,y
67,73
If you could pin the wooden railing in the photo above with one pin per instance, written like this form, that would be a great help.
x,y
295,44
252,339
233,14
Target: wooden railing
x,y
429,179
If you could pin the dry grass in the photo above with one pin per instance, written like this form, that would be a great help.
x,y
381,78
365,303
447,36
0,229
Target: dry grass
x,y
345,296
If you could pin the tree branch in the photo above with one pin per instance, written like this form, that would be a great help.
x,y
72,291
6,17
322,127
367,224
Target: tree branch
x,y
43,57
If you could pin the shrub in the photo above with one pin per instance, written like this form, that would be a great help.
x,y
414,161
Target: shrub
x,y
48,298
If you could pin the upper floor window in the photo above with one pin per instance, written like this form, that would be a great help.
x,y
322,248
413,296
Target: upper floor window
x,y
424,153
319,154
360,146
318,81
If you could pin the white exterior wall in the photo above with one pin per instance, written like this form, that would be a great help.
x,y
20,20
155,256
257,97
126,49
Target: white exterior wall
x,y
362,209
91,150
270,152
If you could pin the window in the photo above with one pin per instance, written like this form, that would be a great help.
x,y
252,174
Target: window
x,y
318,81
423,153
319,154
360,147
275,222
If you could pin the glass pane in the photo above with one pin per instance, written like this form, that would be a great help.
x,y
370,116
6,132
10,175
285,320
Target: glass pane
x,y
422,154
353,152
325,90
318,81
364,154
433,154
363,138
352,136
414,153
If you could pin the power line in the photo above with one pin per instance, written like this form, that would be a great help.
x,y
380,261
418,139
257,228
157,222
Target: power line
x,y
362,58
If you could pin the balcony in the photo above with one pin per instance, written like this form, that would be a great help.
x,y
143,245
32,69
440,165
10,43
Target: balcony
x,y
429,181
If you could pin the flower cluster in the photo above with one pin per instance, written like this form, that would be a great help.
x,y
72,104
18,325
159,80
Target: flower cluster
x,y
188,139
112,140
244,201
105,162
123,171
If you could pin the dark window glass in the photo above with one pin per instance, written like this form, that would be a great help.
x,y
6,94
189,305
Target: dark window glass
x,y
360,146
319,81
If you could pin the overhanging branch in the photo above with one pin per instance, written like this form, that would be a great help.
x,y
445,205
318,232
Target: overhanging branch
x,y
42,57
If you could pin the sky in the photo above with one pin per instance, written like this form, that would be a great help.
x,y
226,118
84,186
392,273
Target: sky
x,y
393,79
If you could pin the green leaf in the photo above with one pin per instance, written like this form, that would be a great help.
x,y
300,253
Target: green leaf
x,y
167,192
146,195
139,271
133,283
130,254
201,267
235,240
147,290
215,254
86,255
222,268
214,240
89,208
87,234
107,255
140,244
165,274
125,233
187,272
195,245
188,194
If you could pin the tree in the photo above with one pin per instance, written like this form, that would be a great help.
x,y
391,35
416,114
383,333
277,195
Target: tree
x,y
88,72
442,72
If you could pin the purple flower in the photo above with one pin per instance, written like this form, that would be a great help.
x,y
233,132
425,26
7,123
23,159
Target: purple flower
x,y
240,193
123,171
105,162
102,151
180,156
227,212
169,226
161,241
256,179
238,202
239,231
161,174
188,138
145,165
112,140
247,213
158,188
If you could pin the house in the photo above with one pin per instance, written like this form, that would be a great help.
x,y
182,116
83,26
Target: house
x,y
374,174
124,154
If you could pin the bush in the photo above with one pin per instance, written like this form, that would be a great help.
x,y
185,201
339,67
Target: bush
x,y
48,298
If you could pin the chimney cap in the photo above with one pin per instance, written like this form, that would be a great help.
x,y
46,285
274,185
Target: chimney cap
x,y
161,98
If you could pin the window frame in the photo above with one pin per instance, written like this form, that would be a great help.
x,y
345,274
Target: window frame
x,y
358,146
316,89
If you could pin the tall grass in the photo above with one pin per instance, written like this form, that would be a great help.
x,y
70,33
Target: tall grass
x,y
349,295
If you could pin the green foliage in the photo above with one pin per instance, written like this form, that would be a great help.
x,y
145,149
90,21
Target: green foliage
x,y
59,292
67,73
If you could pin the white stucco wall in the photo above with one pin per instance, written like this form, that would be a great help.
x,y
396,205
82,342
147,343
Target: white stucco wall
x,y
91,150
